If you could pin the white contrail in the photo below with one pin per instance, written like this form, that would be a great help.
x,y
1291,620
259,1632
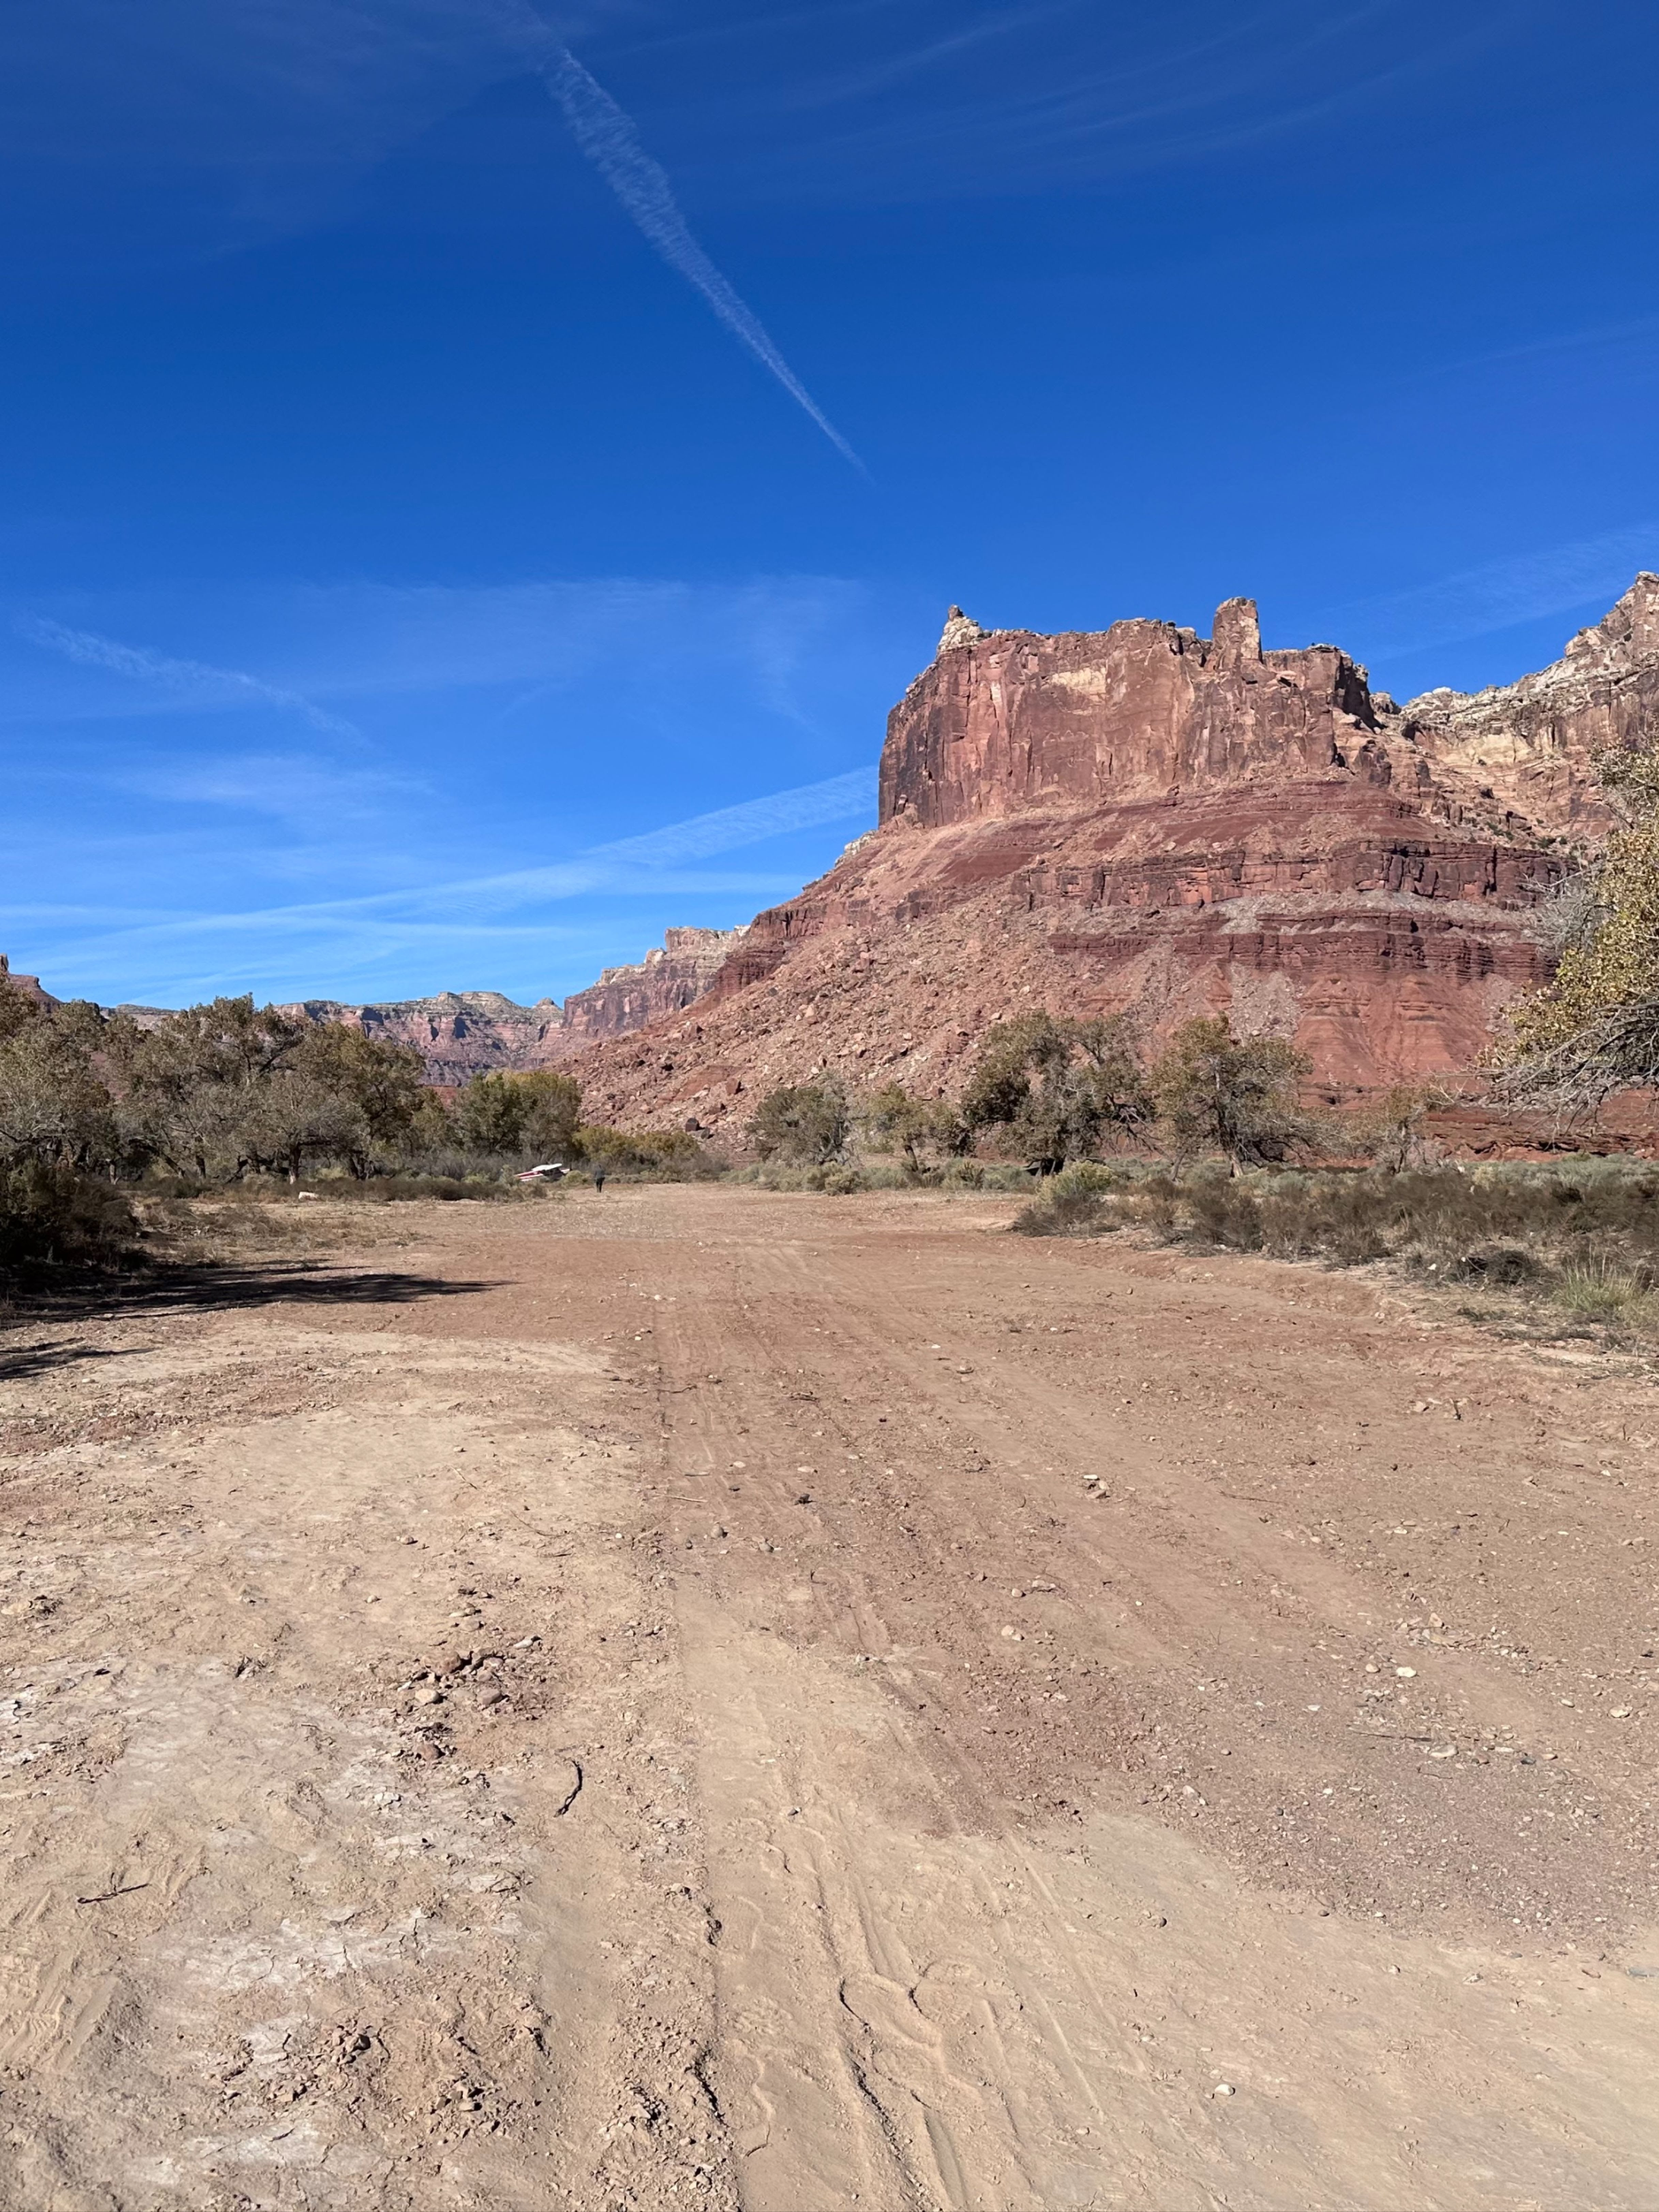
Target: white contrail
x,y
805,807
93,651
606,134
1477,601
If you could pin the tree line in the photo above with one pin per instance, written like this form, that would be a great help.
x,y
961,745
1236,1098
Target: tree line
x,y
1048,1091
93,1103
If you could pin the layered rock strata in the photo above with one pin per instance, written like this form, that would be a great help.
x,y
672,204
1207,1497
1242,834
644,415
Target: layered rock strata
x,y
672,976
1142,819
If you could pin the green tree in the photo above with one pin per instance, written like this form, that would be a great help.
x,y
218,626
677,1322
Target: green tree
x,y
918,1127
804,1122
1237,1095
53,1108
190,1083
507,1116
382,1085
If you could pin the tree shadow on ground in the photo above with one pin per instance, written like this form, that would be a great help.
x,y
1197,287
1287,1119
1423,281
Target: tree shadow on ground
x,y
225,1288
30,1359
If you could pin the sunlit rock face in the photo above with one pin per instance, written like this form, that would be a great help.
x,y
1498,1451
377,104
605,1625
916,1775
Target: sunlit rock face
x,y
1144,819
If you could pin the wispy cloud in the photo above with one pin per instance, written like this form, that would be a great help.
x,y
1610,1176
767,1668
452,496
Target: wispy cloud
x,y
645,863
1474,602
482,916
283,786
607,135
836,800
224,686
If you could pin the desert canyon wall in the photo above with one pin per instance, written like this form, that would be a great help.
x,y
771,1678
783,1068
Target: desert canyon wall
x,y
1143,818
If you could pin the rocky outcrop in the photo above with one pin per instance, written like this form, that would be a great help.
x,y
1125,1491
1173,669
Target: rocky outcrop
x,y
1533,744
1005,721
27,986
1143,818
672,976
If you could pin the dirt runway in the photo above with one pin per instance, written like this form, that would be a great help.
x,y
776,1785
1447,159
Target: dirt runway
x,y
695,1697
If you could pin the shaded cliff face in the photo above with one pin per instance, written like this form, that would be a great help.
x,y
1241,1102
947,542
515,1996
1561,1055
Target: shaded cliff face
x,y
1141,818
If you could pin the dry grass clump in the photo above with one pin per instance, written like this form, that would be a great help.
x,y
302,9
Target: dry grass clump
x,y
1598,1289
1583,1236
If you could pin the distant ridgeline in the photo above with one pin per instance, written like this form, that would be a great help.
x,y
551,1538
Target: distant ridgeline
x,y
460,1034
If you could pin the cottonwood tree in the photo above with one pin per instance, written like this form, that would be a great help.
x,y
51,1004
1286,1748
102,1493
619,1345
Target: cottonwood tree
x,y
1594,1028
507,1116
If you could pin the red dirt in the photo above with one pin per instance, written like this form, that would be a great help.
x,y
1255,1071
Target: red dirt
x,y
940,1707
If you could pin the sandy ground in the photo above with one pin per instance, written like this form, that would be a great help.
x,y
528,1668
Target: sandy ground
x,y
697,1697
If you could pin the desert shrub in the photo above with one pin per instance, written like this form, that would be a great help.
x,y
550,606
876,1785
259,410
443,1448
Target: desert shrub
x,y
1056,1088
1598,1289
1501,1268
395,1190
1216,1092
804,1123
925,1130
1060,1214
53,1212
1222,1211
1092,1175
648,1155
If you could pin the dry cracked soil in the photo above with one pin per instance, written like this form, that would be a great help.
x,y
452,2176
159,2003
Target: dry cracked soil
x,y
697,1696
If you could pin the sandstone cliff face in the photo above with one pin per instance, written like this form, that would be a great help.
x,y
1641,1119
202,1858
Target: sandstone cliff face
x,y
1005,721
671,977
1142,819
1533,743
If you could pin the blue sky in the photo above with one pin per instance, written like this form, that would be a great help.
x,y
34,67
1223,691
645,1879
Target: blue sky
x,y
464,462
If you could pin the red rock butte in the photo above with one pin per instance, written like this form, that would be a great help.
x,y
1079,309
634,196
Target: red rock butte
x,y
1141,818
